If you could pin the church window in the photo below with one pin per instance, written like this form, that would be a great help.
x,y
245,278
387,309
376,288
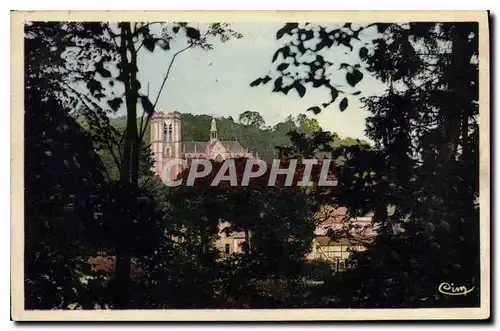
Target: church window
x,y
228,249
167,132
168,151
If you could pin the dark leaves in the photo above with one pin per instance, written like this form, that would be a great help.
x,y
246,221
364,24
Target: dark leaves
x,y
283,66
147,105
287,89
266,79
381,27
301,90
115,103
316,110
319,82
278,87
278,83
343,104
334,93
137,85
354,77
165,45
105,73
193,33
284,50
149,44
256,82
287,29
259,81
363,52
121,77
94,86
99,67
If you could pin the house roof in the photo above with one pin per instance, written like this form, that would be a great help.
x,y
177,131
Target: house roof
x,y
328,214
327,241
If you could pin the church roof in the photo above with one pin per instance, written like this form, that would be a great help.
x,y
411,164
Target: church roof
x,y
195,147
205,146
232,146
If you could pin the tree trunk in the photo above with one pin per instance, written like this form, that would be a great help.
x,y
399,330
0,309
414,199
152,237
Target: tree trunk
x,y
457,117
132,109
247,241
123,257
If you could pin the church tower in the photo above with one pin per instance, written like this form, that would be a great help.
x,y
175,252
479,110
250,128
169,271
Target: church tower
x,y
165,130
213,130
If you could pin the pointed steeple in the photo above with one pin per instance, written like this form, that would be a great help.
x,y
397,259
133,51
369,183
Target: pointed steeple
x,y
213,130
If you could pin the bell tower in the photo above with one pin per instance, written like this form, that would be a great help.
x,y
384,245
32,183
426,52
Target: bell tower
x,y
213,130
165,136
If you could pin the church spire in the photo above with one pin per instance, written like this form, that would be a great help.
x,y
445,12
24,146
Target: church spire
x,y
213,130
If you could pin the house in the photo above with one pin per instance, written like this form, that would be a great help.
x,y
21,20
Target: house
x,y
338,235
229,244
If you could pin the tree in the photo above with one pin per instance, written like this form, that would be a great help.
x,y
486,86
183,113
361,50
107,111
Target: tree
x,y
252,118
64,187
86,56
307,125
65,183
421,179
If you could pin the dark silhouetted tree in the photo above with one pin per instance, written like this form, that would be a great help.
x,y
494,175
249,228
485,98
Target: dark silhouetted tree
x,y
420,181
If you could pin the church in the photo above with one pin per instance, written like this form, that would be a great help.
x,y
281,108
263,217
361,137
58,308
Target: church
x,y
167,144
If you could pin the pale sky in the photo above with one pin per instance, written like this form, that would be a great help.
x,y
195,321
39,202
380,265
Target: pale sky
x,y
216,82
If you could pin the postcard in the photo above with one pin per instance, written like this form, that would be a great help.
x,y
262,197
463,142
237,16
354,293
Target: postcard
x,y
250,166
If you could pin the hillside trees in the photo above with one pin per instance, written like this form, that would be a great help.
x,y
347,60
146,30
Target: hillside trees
x,y
252,118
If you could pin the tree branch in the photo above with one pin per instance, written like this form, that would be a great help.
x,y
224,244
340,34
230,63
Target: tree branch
x,y
143,129
145,26
85,100
140,46
112,35
168,72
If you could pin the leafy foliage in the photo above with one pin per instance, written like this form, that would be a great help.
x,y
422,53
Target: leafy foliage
x,y
305,61
424,167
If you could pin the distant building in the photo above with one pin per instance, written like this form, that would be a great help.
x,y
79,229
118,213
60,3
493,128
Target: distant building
x,y
166,144
229,244
353,234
